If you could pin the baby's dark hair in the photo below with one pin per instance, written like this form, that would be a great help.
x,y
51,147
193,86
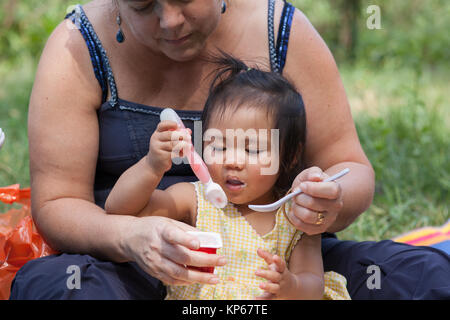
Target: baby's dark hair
x,y
236,84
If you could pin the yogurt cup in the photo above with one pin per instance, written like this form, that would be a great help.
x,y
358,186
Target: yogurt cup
x,y
209,243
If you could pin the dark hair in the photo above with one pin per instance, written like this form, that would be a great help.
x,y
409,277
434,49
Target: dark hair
x,y
235,83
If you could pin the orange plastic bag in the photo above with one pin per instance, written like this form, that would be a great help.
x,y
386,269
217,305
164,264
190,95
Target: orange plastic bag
x,y
19,240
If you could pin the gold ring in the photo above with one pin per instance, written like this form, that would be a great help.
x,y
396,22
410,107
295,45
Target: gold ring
x,y
320,218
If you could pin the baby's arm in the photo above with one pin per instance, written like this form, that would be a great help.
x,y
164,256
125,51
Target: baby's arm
x,y
303,279
134,193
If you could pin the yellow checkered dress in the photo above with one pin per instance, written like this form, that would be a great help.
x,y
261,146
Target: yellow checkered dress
x,y
240,242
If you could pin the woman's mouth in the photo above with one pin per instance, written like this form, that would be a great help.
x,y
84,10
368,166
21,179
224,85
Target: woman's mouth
x,y
178,41
234,184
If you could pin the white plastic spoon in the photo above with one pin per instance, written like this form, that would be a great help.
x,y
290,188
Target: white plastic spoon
x,y
213,191
277,204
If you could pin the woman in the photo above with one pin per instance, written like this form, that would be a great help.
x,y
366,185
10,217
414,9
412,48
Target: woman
x,y
87,127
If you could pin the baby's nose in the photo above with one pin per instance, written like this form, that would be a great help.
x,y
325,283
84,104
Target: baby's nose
x,y
235,158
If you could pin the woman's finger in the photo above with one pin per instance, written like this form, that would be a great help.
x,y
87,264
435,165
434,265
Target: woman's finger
x,y
318,204
315,204
305,215
156,265
311,229
310,174
175,274
180,247
173,234
184,256
325,190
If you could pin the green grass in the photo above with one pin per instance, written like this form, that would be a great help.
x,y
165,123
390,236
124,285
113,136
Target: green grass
x,y
14,96
401,117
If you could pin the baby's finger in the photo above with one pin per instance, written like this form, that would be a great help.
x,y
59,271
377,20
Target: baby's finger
x,y
180,148
173,135
280,263
266,296
166,125
265,255
273,288
181,134
269,275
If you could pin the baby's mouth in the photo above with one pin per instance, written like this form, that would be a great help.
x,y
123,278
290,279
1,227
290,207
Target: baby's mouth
x,y
234,184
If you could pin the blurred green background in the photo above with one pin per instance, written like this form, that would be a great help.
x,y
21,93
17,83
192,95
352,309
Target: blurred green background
x,y
396,79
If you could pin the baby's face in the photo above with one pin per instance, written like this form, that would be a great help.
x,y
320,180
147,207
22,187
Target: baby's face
x,y
240,151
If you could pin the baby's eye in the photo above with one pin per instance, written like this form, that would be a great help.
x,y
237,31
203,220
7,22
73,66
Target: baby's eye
x,y
218,148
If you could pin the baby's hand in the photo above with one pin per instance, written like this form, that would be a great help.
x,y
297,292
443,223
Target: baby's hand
x,y
167,142
280,279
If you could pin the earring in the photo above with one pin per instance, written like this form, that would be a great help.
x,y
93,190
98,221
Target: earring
x,y
120,37
224,6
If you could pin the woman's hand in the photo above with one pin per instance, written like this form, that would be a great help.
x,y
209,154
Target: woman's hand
x,y
163,249
168,141
317,208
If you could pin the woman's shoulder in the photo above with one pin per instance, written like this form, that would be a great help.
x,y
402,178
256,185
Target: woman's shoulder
x,y
303,36
310,65
249,19
65,61
66,53
67,38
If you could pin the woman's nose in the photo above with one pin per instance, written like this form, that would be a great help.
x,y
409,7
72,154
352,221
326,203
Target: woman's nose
x,y
170,16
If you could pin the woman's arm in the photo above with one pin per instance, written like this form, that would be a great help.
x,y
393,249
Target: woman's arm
x,y
63,138
332,141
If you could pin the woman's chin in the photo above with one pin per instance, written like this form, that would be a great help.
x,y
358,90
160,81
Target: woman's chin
x,y
182,55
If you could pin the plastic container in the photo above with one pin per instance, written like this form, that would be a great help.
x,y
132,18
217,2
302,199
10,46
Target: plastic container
x,y
209,243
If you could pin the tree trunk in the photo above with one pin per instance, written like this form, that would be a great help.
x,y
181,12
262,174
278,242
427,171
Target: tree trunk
x,y
349,12
9,8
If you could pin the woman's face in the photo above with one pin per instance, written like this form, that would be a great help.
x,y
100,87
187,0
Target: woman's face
x,y
176,28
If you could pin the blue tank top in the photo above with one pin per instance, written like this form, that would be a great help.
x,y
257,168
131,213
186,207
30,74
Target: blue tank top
x,y
125,127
